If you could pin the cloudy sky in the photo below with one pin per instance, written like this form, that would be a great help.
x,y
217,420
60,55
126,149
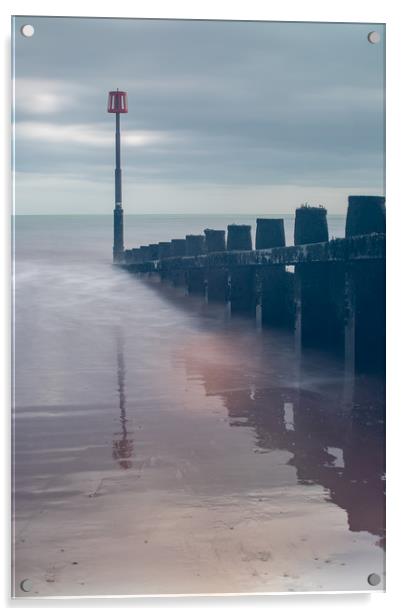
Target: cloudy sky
x,y
223,116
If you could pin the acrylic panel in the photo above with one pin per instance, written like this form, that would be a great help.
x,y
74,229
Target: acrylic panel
x,y
199,307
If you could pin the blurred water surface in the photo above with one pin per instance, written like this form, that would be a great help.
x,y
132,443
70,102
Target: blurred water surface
x,y
200,454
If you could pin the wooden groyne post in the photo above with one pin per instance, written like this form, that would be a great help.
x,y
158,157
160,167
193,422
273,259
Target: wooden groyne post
x,y
217,278
274,284
311,281
242,289
195,245
335,298
178,277
364,289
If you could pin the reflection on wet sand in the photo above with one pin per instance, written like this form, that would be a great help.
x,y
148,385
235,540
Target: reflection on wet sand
x,y
201,458
122,446
336,441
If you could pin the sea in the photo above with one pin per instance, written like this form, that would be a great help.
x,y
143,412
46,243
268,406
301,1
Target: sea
x,y
161,447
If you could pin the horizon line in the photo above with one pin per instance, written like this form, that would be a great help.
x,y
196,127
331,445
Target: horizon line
x,y
262,214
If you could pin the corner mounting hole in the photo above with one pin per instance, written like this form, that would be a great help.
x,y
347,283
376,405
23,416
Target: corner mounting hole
x,y
374,579
374,37
27,30
26,585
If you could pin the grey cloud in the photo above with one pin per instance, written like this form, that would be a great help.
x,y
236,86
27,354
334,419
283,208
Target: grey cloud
x,y
249,103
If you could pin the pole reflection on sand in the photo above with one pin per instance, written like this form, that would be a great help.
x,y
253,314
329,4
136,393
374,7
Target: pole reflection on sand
x,y
254,470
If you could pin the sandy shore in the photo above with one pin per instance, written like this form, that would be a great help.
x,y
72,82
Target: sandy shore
x,y
212,471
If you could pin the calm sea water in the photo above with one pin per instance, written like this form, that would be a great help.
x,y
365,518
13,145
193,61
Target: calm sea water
x,y
162,409
52,237
67,297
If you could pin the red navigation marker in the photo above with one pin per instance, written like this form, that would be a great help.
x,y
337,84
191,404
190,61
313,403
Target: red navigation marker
x,y
117,102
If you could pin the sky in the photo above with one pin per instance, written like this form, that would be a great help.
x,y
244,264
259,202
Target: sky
x,y
233,117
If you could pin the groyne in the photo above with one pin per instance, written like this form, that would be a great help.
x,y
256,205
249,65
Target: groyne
x,y
331,293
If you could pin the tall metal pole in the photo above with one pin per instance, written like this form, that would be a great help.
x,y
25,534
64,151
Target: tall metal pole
x,y
118,245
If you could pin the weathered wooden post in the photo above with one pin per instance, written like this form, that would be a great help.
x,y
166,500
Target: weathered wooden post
x,y
298,314
312,304
128,257
136,255
145,253
217,277
153,255
164,250
215,240
178,247
275,284
178,275
349,320
270,233
365,301
241,277
154,251
310,225
366,214
239,237
195,245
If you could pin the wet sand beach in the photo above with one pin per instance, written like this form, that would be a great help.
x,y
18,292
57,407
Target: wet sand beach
x,y
160,448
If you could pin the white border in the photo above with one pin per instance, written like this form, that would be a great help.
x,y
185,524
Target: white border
x,y
380,11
